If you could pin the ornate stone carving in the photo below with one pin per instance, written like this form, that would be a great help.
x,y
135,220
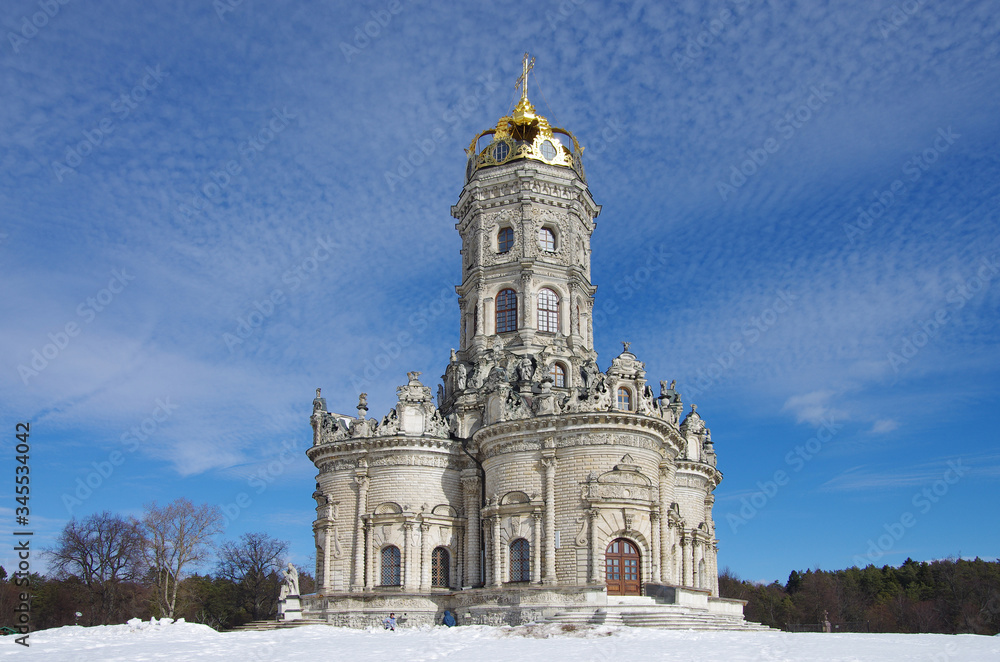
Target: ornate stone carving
x,y
582,535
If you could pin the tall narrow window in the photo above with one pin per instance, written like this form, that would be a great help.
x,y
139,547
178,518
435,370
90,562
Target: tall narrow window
x,y
558,374
520,561
390,566
505,240
546,240
506,311
624,399
439,567
548,311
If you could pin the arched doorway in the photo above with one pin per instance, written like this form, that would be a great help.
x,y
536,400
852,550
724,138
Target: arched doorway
x,y
622,569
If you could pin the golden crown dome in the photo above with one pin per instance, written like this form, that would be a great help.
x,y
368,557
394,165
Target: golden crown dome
x,y
524,134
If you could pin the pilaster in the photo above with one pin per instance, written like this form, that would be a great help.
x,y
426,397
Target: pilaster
x,y
549,574
362,482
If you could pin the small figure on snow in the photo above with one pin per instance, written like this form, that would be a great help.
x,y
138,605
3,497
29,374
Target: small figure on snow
x,y
449,618
390,623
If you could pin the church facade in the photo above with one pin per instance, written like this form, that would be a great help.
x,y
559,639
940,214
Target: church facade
x,y
532,481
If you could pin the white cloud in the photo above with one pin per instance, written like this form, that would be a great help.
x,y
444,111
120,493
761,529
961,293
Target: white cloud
x,y
884,425
811,407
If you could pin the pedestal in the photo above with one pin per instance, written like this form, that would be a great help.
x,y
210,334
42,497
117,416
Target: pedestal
x,y
290,609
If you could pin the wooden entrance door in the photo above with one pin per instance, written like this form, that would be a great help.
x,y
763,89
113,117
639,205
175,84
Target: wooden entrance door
x,y
621,562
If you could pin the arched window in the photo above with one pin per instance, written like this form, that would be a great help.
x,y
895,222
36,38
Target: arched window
x,y
624,399
390,566
520,561
439,567
546,240
506,311
505,240
558,374
548,311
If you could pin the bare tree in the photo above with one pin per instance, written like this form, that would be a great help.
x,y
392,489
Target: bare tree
x,y
177,536
104,551
254,563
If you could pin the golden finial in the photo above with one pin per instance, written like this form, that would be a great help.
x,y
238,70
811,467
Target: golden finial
x,y
522,81
524,112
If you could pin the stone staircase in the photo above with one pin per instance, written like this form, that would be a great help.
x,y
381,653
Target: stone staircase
x,y
260,626
646,612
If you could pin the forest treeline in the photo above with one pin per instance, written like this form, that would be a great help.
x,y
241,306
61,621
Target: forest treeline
x,y
170,563
109,569
948,596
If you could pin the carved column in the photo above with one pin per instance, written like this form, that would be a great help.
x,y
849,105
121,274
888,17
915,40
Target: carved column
x,y
690,572
699,556
425,571
595,547
549,574
590,324
668,476
405,568
362,481
527,326
455,578
471,493
497,549
322,544
489,319
369,555
714,553
574,311
682,570
536,544
654,521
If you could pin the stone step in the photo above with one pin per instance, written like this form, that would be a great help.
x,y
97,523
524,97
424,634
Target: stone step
x,y
674,617
260,626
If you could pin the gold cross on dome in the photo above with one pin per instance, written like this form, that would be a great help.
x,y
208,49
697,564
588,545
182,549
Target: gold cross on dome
x,y
522,80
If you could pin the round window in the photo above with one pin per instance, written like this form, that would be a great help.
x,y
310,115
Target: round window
x,y
500,152
548,150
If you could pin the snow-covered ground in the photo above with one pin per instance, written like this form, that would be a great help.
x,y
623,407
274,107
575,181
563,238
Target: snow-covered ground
x,y
138,642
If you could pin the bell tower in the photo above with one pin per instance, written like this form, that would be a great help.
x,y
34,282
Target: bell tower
x,y
525,217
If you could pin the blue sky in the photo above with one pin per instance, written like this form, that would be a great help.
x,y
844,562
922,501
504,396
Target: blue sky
x,y
799,225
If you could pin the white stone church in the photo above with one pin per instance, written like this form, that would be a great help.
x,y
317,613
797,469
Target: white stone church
x,y
534,485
